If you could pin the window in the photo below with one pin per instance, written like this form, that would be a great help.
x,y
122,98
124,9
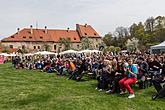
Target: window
x,y
68,38
54,47
38,47
30,37
85,33
96,46
95,34
34,47
12,36
23,46
78,46
74,38
24,37
11,46
41,37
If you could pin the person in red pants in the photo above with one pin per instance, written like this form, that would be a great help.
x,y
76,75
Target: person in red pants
x,y
130,78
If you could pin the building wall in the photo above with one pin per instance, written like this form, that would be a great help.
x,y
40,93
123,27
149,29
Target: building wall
x,y
95,42
39,45
56,47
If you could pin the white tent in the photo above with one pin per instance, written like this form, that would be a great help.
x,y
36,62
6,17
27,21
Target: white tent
x,y
85,51
4,54
12,55
8,55
95,51
29,54
68,52
159,46
45,53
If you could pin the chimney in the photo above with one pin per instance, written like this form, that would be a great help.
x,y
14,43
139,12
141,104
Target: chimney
x,y
46,31
31,29
18,30
67,29
85,24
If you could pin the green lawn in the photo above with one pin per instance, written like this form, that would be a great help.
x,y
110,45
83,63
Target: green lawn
x,y
33,90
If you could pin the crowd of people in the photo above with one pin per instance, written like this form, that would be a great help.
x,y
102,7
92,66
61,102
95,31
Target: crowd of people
x,y
114,73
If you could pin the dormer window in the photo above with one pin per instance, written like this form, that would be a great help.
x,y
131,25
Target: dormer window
x,y
12,36
95,34
41,37
85,33
30,37
74,38
24,37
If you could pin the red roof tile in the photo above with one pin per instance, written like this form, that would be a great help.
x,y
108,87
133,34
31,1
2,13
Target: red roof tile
x,y
40,35
53,35
86,31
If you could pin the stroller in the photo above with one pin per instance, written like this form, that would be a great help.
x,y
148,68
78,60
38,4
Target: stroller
x,y
160,88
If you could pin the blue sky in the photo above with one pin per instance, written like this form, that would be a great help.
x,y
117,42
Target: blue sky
x,y
103,15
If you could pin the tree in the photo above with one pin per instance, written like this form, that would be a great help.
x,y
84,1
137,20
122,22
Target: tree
x,y
132,44
149,24
46,47
107,39
121,32
66,42
85,43
159,22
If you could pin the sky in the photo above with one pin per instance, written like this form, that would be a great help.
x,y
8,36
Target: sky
x,y
103,15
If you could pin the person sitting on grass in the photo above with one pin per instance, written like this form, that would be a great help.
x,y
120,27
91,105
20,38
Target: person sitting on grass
x,y
131,71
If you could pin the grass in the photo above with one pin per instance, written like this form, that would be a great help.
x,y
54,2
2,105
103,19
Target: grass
x,y
32,90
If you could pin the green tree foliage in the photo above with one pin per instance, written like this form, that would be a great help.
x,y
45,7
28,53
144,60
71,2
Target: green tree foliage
x,y
107,39
151,32
66,42
46,47
86,44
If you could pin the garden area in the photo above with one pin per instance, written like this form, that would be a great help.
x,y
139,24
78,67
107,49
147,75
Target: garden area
x,y
34,90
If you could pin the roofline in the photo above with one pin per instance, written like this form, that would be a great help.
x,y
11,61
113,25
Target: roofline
x,y
91,37
37,41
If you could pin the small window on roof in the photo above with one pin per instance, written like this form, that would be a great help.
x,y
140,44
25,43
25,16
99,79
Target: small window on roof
x,y
94,33
30,37
12,36
74,38
24,36
85,33
41,37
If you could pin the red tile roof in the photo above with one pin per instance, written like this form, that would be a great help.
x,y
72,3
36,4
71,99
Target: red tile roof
x,y
40,35
87,31
52,35
72,34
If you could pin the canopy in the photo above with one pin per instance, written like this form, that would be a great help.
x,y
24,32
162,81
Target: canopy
x,y
12,55
159,46
8,55
68,52
29,54
85,51
45,53
4,54
95,51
